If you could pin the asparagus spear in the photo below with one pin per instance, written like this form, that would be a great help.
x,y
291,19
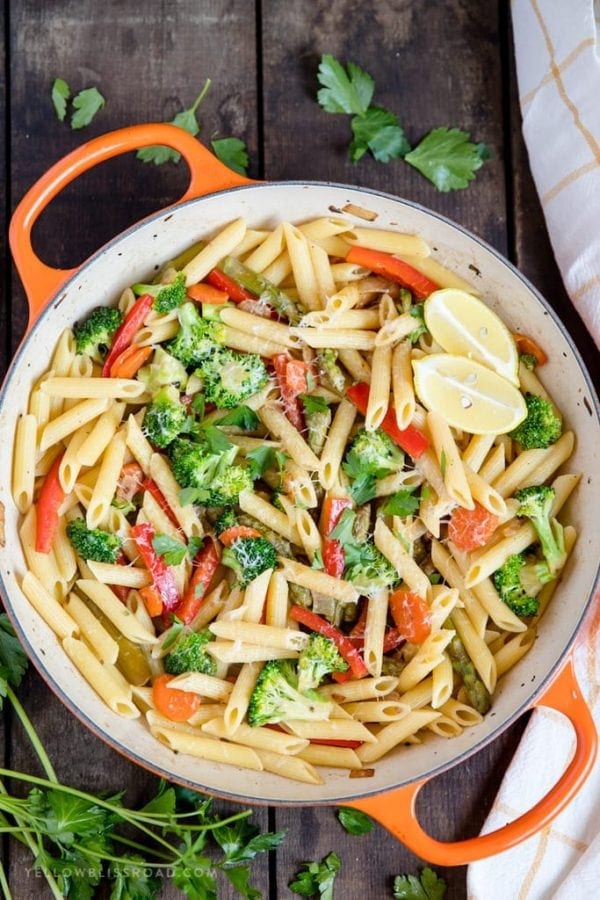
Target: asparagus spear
x,y
329,368
477,693
262,287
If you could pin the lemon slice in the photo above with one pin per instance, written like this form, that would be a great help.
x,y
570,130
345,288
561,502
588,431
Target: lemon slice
x,y
468,395
463,324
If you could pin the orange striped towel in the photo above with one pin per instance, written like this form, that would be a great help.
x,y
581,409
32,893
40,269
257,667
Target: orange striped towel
x,y
558,67
558,64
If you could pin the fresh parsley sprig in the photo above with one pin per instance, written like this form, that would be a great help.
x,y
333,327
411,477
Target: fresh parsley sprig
x,y
426,886
317,878
78,839
85,104
445,156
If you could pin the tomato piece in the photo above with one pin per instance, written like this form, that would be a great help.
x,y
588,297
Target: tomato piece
x,y
172,703
411,615
471,528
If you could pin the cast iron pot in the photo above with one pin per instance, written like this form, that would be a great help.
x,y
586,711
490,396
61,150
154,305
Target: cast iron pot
x,y
215,196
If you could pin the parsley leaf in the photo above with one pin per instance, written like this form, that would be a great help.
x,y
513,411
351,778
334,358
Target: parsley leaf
x,y
13,662
427,886
317,560
242,417
86,103
60,94
232,153
172,551
379,131
312,403
348,90
216,440
354,821
239,876
243,840
317,878
447,158
195,544
186,119
133,880
264,458
403,503
343,530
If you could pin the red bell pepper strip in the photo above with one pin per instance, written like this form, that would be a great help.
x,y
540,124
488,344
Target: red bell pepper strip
x,y
471,528
162,577
148,484
391,640
49,502
322,626
526,344
129,361
334,561
335,742
411,439
232,534
289,395
204,567
127,330
224,283
207,293
393,269
411,614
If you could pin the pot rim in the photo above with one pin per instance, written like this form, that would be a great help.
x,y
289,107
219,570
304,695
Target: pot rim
x,y
54,301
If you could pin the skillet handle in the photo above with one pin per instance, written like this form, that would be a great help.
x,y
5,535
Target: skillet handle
x,y
397,810
41,282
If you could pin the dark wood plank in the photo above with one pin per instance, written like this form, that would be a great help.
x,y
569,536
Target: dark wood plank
x,y
148,66
433,66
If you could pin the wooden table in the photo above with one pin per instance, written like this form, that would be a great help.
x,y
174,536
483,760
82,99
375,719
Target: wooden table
x,y
434,63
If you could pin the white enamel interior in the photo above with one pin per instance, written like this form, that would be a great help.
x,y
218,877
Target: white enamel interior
x,y
134,256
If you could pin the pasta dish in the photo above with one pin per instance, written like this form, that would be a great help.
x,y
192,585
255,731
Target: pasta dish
x,y
295,502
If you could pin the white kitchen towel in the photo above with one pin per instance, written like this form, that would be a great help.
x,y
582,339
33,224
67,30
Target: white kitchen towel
x,y
558,68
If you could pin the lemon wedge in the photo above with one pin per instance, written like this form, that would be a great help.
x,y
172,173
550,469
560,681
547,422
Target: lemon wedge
x,y
464,325
468,395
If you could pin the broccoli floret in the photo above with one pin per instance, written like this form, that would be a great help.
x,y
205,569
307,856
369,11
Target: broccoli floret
x,y
196,339
248,557
367,568
93,543
510,586
230,378
318,659
94,334
227,519
166,296
165,417
541,427
227,485
189,654
163,370
372,455
275,699
535,503
194,464
529,361
416,312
